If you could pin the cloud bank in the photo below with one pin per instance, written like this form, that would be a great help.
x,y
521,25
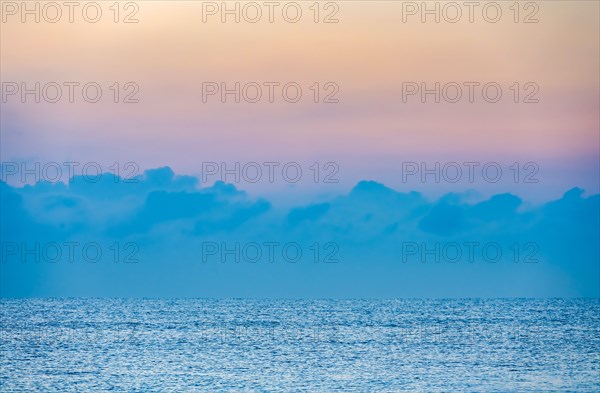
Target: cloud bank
x,y
162,235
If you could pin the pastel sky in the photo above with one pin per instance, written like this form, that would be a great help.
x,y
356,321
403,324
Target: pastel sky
x,y
370,57
369,54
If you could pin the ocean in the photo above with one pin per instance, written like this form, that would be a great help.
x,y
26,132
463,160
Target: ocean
x,y
204,345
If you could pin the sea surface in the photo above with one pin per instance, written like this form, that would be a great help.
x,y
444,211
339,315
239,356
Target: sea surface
x,y
189,345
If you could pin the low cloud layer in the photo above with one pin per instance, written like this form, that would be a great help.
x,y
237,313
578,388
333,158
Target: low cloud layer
x,y
163,235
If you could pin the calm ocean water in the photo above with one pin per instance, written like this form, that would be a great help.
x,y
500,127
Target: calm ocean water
x,y
96,345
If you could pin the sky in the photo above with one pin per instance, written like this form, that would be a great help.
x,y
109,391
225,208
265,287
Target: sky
x,y
368,54
367,114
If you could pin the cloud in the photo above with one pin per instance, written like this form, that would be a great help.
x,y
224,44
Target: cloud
x,y
385,242
309,213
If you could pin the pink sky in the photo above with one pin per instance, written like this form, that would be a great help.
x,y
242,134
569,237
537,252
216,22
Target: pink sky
x,y
369,54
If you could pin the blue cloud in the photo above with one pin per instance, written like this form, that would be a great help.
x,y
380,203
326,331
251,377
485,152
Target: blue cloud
x,y
382,240
309,213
